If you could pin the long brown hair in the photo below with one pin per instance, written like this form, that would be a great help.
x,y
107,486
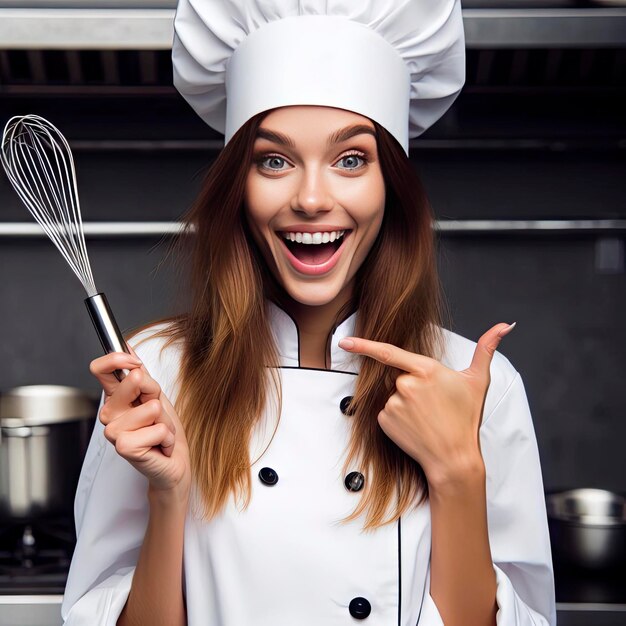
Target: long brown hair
x,y
228,345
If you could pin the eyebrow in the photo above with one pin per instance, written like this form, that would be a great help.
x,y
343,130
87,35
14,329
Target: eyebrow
x,y
343,134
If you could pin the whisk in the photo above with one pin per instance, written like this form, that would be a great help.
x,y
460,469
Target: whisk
x,y
38,161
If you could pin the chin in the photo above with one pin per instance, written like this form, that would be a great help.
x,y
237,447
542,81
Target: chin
x,y
312,294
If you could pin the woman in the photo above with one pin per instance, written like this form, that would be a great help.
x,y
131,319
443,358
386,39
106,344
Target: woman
x,y
317,448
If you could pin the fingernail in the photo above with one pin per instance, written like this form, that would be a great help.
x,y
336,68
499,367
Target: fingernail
x,y
346,344
134,359
507,330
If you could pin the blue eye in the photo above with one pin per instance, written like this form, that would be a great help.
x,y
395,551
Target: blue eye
x,y
353,157
271,157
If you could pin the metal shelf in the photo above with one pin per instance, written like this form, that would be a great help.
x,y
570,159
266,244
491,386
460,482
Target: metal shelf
x,y
115,230
560,145
152,28
544,28
86,29
29,230
524,227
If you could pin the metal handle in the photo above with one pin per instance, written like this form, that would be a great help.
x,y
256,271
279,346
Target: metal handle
x,y
108,331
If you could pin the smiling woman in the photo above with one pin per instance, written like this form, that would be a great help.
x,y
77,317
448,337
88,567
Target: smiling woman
x,y
243,224
320,421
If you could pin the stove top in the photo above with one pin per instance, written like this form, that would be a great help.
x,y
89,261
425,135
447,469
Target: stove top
x,y
35,557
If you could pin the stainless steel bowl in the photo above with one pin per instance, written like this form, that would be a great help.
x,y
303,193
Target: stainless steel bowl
x,y
44,435
587,528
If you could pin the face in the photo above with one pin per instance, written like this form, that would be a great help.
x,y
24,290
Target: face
x,y
315,200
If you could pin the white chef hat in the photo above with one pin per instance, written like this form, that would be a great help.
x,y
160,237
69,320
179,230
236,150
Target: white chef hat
x,y
400,63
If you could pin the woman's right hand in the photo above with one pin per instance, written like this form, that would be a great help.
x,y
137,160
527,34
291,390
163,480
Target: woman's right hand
x,y
142,424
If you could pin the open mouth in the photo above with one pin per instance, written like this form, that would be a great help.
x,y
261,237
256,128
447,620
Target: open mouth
x,y
314,254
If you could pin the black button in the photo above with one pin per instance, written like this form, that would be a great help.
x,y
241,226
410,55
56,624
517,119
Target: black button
x,y
360,608
343,405
268,476
354,481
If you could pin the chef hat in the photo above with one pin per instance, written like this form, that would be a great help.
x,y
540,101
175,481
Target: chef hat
x,y
388,60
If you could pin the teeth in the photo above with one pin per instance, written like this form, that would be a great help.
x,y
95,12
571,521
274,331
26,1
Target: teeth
x,y
314,238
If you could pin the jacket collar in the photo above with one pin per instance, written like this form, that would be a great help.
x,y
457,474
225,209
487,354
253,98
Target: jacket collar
x,y
287,340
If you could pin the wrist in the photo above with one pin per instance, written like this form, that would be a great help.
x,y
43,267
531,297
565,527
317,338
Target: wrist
x,y
168,500
457,478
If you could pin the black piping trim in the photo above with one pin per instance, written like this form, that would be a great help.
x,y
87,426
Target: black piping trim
x,y
400,571
328,339
297,329
314,369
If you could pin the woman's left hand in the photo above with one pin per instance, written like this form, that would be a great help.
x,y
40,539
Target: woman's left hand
x,y
435,413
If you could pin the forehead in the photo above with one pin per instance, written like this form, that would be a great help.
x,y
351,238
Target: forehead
x,y
292,117
306,120
327,114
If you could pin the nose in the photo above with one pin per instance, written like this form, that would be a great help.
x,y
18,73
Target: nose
x,y
312,196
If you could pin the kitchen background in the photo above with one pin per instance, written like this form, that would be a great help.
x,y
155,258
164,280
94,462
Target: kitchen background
x,y
526,174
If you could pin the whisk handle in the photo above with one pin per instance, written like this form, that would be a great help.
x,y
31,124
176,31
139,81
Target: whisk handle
x,y
108,331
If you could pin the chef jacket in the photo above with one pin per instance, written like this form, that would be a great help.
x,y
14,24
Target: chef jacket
x,y
285,559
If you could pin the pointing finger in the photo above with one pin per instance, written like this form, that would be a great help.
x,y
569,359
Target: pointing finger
x,y
388,354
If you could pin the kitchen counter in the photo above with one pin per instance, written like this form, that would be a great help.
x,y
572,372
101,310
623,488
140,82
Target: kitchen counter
x,y
30,610
573,614
46,611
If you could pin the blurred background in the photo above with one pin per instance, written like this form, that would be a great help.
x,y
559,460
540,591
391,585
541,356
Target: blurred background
x,y
526,174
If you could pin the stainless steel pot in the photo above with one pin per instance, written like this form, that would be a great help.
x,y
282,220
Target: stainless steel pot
x,y
587,528
44,430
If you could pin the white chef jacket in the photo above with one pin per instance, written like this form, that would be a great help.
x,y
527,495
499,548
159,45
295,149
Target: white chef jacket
x,y
285,560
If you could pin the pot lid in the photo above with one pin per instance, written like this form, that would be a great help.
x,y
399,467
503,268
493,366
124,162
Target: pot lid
x,y
38,405
587,507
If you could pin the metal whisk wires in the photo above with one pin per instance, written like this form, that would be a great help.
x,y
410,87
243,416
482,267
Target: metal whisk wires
x,y
38,161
